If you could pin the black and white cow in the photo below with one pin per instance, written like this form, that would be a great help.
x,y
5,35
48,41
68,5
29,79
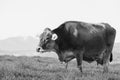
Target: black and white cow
x,y
80,40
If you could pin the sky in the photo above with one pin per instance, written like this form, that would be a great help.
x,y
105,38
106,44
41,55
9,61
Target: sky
x,y
30,17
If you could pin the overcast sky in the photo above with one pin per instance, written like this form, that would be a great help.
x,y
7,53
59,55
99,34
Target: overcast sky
x,y
30,17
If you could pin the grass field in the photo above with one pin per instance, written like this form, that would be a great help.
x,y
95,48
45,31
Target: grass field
x,y
39,68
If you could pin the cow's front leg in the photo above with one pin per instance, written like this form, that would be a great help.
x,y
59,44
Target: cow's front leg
x,y
79,58
66,65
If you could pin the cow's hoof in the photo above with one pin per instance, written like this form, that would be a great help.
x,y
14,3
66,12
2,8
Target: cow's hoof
x,y
80,68
105,70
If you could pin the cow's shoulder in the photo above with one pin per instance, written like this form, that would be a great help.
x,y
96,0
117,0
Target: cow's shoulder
x,y
70,25
67,27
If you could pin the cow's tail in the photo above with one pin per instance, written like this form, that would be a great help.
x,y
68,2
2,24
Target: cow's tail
x,y
111,57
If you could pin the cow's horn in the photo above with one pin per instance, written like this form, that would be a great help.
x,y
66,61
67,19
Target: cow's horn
x,y
47,29
54,36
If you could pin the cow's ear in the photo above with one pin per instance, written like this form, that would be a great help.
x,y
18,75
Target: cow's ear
x,y
54,36
47,30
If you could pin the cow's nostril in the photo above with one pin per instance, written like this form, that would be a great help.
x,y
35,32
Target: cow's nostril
x,y
38,49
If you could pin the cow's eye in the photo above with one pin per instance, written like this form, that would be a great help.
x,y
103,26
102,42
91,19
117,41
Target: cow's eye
x,y
47,38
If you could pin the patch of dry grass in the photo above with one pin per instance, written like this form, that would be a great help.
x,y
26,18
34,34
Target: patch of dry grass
x,y
37,68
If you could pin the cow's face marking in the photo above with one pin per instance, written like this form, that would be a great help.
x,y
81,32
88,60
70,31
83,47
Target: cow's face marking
x,y
72,28
75,32
47,41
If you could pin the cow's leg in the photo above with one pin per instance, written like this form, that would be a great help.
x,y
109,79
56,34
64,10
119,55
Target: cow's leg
x,y
79,58
97,66
106,59
66,65
105,67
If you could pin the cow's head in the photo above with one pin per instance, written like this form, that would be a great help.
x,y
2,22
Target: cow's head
x,y
47,41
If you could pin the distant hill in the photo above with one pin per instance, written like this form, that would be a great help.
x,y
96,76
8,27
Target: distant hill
x,y
116,47
19,43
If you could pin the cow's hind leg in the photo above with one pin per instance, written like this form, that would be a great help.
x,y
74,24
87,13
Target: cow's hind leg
x,y
107,58
106,61
110,38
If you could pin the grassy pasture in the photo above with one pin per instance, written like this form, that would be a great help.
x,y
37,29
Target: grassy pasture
x,y
39,68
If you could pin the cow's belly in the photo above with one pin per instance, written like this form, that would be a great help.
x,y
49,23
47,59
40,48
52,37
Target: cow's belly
x,y
93,50
93,53
91,56
69,55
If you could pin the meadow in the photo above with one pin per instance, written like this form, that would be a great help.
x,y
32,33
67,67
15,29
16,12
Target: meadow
x,y
45,68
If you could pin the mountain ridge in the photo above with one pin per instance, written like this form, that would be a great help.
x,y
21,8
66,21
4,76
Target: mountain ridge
x,y
18,43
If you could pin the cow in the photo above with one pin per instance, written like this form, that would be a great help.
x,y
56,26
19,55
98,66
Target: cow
x,y
80,40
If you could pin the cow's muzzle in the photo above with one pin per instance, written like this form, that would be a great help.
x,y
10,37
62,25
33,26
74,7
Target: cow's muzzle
x,y
37,49
40,50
